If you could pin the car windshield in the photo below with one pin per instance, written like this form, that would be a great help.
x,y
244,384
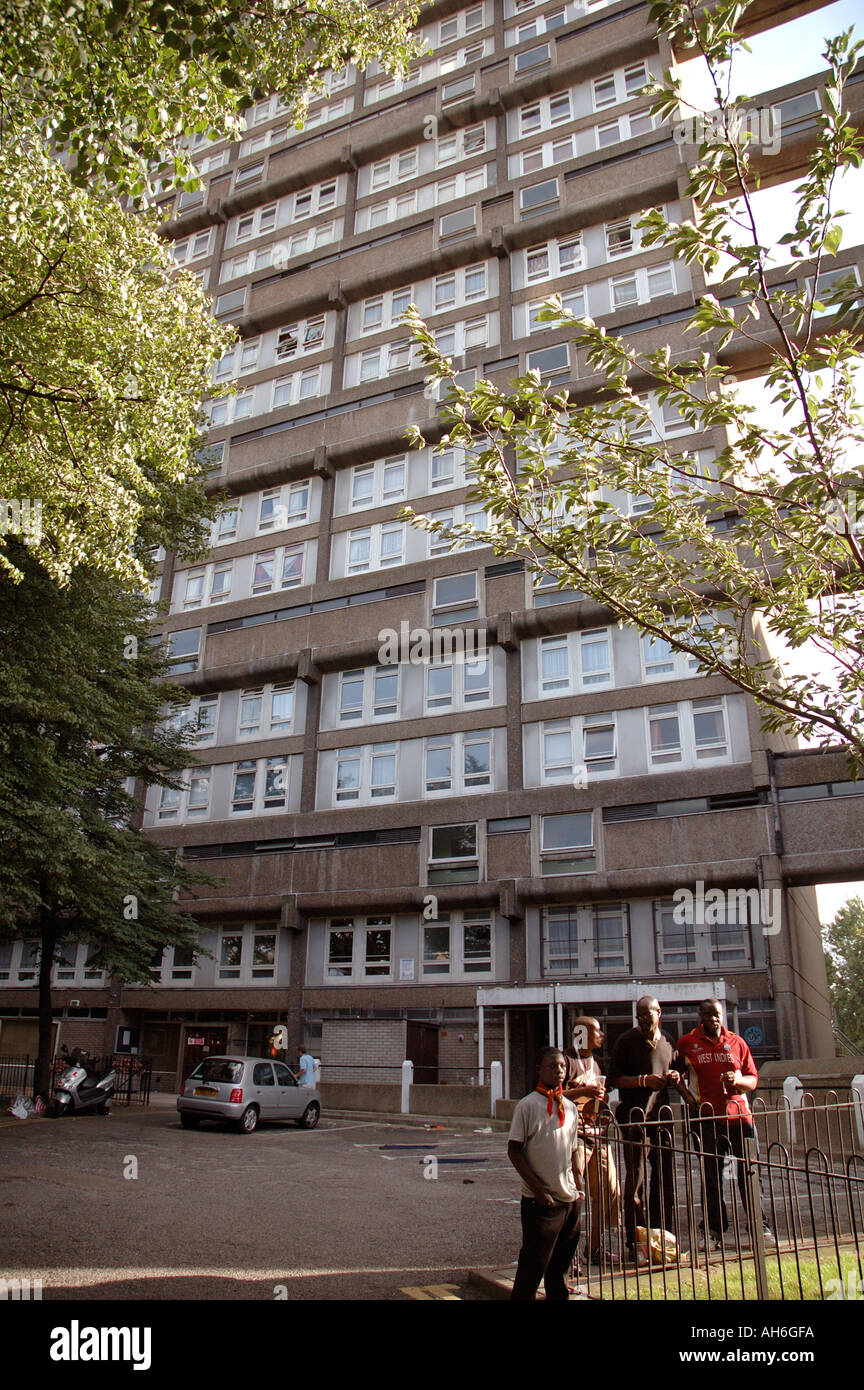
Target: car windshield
x,y
218,1069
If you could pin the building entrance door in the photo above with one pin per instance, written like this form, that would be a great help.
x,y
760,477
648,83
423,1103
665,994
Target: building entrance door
x,y
421,1046
201,1042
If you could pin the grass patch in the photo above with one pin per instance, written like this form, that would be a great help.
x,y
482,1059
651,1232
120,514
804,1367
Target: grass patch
x,y
788,1278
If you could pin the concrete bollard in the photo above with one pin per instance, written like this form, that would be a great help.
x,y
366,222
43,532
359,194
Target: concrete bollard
x,y
407,1079
496,1079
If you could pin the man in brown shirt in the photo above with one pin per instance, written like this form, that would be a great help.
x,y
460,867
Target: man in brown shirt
x,y
641,1068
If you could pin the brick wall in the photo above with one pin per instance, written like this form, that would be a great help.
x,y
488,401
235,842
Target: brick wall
x,y
362,1049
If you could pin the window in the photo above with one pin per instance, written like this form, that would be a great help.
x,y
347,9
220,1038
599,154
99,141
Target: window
x,y
260,785
297,338
552,361
194,248
279,507
246,955
664,733
460,186
458,685
382,214
360,948
199,715
448,468
458,338
624,128
538,198
471,514
281,568
553,258
365,775
453,854
639,285
464,86
548,111
265,711
561,941
457,763
460,287
459,223
611,938
532,58
461,144
572,302
675,940
578,748
709,728
375,484
301,386
396,169
457,943
183,650
567,844
369,694
454,599
384,310
620,238
382,361
375,548
604,91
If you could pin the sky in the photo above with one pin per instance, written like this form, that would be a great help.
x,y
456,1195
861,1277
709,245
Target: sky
x,y
778,56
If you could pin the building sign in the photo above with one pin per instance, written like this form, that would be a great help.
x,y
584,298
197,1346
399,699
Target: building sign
x,y
406,969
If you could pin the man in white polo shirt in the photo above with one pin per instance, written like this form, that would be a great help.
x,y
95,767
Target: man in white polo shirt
x,y
543,1148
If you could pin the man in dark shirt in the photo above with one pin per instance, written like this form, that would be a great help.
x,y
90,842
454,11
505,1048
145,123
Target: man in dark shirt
x,y
641,1068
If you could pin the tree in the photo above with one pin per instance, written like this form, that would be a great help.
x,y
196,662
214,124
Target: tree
x,y
723,560
83,705
105,349
120,83
105,355
844,957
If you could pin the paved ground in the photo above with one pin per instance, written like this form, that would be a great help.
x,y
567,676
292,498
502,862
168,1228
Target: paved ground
x,y
341,1212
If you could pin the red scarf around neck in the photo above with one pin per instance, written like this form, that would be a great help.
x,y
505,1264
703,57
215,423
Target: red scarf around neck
x,y
556,1094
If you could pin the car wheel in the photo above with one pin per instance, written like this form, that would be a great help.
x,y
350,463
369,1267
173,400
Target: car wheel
x,y
311,1115
248,1121
189,1121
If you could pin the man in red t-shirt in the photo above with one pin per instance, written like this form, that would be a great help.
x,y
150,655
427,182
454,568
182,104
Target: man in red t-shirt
x,y
723,1072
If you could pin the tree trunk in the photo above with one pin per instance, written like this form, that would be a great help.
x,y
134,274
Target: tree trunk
x,y
42,1079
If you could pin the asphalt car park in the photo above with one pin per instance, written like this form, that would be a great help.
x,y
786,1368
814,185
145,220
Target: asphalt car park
x,y
133,1206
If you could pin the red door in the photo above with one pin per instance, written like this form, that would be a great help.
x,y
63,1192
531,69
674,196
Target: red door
x,y
199,1043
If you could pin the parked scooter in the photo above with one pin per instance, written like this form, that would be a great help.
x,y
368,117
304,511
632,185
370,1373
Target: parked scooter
x,y
81,1088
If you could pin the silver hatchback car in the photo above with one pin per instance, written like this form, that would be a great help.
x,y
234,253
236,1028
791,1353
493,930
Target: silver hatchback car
x,y
246,1090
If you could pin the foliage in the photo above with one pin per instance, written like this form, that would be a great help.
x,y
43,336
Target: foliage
x,y
844,957
724,559
120,83
105,348
82,705
105,353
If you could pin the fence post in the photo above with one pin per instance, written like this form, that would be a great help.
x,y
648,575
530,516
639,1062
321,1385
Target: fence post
x,y
496,1084
792,1091
857,1089
407,1079
754,1217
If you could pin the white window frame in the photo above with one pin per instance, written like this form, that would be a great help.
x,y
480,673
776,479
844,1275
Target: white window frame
x,y
362,968
381,493
461,781
373,707
454,610
378,557
279,554
578,851
299,386
455,966
260,797
366,792
247,971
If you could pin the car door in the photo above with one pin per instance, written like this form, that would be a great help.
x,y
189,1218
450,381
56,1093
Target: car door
x,y
291,1098
264,1090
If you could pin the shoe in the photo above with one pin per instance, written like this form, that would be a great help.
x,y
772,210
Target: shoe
x,y
710,1242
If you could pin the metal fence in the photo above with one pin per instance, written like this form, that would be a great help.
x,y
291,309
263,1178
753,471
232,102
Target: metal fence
x,y
134,1076
699,1208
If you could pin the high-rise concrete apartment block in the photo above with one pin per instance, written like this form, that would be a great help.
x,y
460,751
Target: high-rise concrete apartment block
x,y
432,857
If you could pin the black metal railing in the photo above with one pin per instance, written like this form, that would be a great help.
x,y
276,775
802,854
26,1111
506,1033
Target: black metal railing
x,y
693,1207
